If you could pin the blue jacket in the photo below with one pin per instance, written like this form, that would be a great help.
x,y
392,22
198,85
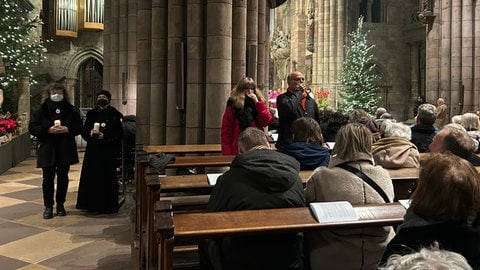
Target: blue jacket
x,y
310,155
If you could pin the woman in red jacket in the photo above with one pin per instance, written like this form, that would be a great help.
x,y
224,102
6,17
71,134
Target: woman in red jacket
x,y
246,107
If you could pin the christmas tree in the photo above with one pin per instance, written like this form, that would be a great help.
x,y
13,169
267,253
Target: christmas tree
x,y
20,48
359,81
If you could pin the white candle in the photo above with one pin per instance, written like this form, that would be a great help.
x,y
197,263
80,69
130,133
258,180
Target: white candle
x,y
57,123
96,127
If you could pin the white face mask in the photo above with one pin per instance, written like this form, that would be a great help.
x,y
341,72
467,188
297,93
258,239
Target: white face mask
x,y
56,97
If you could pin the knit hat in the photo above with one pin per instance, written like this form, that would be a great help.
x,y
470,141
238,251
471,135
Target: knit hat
x,y
106,93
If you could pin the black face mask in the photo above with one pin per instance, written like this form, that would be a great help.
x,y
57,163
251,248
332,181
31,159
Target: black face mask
x,y
102,102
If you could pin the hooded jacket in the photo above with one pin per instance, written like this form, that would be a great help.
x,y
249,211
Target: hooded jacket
x,y
349,248
395,152
259,179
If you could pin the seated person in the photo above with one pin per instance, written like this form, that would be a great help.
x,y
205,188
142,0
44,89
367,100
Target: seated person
x,y
334,123
395,150
471,123
359,248
424,130
453,139
432,258
444,208
259,178
308,146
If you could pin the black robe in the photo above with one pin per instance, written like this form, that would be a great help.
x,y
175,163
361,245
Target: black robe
x,y
98,189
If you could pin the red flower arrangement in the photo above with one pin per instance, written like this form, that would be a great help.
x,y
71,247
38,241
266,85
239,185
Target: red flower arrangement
x,y
321,97
7,125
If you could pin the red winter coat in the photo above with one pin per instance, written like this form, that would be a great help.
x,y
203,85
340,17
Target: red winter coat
x,y
231,126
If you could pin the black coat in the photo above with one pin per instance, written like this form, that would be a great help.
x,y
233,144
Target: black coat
x,y
259,179
452,236
98,188
422,136
55,149
289,110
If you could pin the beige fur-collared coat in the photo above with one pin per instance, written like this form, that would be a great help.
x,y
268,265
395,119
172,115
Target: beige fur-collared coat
x,y
348,249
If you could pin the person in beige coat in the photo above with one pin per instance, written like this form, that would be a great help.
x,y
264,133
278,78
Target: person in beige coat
x,y
395,150
357,248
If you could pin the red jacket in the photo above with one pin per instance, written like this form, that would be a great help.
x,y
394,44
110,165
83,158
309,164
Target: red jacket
x,y
231,126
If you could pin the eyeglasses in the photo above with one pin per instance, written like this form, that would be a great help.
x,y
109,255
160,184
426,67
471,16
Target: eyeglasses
x,y
299,79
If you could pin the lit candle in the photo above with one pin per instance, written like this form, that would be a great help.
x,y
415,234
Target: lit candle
x,y
96,127
57,123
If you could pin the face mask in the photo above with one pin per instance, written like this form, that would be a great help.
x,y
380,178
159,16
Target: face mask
x,y
56,97
102,102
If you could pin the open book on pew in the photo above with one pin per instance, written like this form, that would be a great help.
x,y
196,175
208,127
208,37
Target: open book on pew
x,y
212,178
334,211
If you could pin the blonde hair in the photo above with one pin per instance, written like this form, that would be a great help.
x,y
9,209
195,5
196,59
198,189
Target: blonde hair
x,y
238,95
252,139
351,139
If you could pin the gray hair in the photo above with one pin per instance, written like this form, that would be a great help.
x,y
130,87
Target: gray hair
x,y
432,258
427,114
392,129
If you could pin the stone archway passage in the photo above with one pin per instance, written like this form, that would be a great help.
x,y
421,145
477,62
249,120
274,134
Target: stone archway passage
x,y
90,74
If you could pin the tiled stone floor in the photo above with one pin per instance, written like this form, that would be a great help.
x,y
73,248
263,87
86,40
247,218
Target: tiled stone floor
x,y
76,241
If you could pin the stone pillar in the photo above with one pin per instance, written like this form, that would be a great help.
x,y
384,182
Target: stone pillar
x,y
218,65
24,103
252,37
262,48
239,40
467,60
414,53
175,30
195,79
144,43
476,56
456,60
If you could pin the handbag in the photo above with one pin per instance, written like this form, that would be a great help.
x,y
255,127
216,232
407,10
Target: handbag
x,y
367,179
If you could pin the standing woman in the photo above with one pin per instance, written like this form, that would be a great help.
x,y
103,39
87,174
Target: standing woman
x,y
55,124
246,107
98,189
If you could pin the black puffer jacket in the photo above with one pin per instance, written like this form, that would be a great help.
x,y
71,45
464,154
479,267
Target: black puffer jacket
x,y
259,179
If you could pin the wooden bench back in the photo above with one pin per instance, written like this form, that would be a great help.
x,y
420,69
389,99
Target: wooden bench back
x,y
173,228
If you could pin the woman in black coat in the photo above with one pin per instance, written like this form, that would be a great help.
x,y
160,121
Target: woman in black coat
x,y
55,124
98,189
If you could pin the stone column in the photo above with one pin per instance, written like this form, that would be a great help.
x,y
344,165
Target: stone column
x,y
144,43
252,37
24,103
218,65
239,40
195,79
262,47
414,53
176,24
467,59
456,60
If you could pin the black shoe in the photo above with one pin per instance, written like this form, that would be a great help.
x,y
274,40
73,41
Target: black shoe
x,y
48,213
61,210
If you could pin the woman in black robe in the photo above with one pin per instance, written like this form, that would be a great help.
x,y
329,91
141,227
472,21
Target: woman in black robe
x,y
98,189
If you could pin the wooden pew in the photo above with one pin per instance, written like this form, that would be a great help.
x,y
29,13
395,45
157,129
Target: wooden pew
x,y
403,180
176,228
183,149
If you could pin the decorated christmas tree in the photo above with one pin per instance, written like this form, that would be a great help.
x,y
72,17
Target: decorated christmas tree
x,y
360,83
21,49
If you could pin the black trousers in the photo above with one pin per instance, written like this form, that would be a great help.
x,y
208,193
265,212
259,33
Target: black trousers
x,y
48,184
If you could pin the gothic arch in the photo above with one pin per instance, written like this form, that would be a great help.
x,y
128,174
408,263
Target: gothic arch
x,y
75,70
79,58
